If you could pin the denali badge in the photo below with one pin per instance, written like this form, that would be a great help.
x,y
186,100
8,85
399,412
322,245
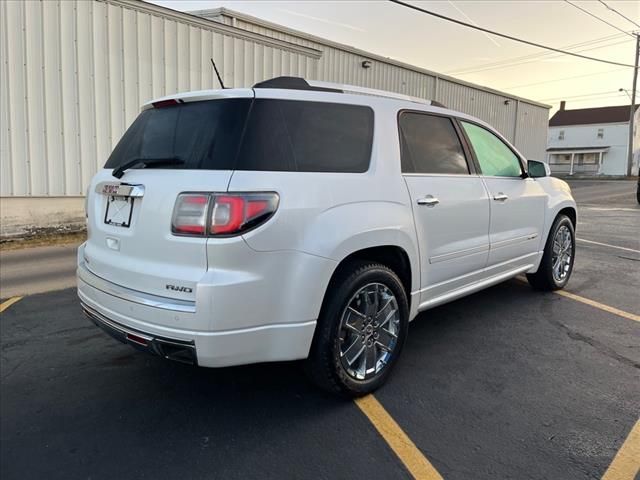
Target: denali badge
x,y
178,288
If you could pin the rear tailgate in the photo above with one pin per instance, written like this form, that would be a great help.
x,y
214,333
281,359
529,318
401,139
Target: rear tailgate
x,y
129,237
186,143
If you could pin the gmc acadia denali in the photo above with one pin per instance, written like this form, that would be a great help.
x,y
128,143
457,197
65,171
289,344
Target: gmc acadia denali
x,y
305,220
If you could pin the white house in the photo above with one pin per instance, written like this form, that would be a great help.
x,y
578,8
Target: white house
x,y
592,141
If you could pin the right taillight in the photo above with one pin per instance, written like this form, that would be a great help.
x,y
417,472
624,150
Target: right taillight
x,y
221,214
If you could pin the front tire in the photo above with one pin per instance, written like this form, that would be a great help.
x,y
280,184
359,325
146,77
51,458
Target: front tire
x,y
361,330
558,257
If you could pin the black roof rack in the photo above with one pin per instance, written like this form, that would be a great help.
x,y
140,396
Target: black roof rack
x,y
298,83
293,83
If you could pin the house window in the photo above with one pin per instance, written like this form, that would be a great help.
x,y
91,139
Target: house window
x,y
560,159
601,133
586,159
561,135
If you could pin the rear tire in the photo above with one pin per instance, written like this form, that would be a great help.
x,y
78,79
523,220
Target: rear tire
x,y
361,330
558,258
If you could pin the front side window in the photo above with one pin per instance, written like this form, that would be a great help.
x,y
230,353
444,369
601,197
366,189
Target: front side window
x,y
561,135
601,133
494,157
430,144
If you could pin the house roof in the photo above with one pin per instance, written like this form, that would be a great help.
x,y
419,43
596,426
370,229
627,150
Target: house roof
x,y
586,116
603,148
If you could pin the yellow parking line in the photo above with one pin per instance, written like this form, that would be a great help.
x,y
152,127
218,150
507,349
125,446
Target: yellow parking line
x,y
608,245
601,306
592,303
7,303
412,458
626,463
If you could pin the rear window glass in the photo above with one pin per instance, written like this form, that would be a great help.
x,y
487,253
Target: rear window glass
x,y
204,135
270,135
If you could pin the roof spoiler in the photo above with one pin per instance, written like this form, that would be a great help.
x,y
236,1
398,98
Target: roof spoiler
x,y
293,83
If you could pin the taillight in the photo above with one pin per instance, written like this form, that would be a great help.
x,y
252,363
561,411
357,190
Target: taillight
x,y
190,214
221,214
165,103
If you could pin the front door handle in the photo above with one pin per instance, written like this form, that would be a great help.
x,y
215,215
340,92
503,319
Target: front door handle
x,y
429,201
500,197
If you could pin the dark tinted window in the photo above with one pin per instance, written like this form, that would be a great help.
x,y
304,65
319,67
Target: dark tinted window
x,y
205,135
287,135
430,144
280,135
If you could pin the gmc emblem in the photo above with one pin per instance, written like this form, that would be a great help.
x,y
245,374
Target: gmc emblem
x,y
178,288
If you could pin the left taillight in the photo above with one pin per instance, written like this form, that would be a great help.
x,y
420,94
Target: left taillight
x,y
190,214
218,214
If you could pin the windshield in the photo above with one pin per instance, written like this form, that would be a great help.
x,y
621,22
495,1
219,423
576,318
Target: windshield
x,y
203,135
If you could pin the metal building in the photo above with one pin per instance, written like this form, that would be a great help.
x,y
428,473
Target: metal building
x,y
73,74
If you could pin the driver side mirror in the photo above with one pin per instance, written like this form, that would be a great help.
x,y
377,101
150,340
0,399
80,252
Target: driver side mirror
x,y
538,169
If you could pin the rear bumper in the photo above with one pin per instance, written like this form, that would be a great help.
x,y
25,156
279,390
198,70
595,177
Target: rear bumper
x,y
171,349
157,326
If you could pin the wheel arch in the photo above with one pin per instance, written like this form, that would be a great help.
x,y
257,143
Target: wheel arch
x,y
393,256
570,212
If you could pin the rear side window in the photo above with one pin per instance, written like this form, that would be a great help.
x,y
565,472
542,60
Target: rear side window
x,y
287,135
204,135
430,144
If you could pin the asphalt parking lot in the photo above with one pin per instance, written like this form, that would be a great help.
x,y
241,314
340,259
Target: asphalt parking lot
x,y
505,384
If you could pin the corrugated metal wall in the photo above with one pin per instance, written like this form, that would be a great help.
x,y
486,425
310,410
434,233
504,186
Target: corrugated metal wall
x,y
531,130
343,65
73,74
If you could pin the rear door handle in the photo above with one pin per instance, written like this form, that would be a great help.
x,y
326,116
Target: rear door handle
x,y
500,197
429,201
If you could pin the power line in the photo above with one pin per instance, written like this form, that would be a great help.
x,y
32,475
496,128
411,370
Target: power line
x,y
545,56
509,37
582,96
592,99
560,79
533,56
616,11
596,17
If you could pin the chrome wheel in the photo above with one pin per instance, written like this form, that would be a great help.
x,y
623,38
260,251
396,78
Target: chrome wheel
x,y
562,254
369,329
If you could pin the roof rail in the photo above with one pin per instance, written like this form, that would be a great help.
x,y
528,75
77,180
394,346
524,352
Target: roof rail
x,y
369,91
297,83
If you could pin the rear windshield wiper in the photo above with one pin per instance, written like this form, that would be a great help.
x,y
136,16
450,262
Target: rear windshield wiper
x,y
118,172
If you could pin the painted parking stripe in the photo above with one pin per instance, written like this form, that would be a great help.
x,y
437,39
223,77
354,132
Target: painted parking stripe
x,y
612,209
601,306
7,303
607,245
412,458
591,303
626,463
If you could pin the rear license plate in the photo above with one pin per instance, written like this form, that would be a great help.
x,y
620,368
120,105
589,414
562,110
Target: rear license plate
x,y
119,210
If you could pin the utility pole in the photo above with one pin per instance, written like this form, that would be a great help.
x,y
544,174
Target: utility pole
x,y
632,109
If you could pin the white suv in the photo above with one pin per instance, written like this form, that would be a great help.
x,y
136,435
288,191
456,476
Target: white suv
x,y
300,220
